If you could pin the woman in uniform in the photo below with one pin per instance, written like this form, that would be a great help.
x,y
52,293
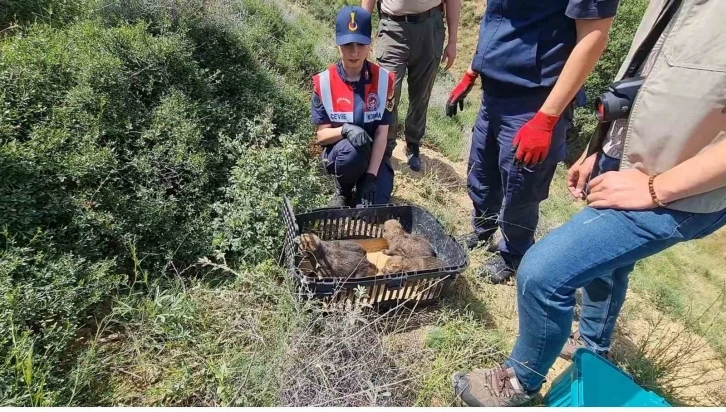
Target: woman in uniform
x,y
351,108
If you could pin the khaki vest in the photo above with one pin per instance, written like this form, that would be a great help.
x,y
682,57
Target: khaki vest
x,y
680,110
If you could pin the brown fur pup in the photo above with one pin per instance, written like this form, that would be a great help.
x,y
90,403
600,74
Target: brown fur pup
x,y
397,264
336,262
346,244
405,244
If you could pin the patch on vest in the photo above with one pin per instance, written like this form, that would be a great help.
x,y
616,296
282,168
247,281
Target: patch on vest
x,y
372,102
389,100
317,103
390,104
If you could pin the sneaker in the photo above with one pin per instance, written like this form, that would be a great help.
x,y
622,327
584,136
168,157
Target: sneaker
x,y
494,387
497,270
575,342
414,161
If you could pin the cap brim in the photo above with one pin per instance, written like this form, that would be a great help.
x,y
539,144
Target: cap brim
x,y
352,38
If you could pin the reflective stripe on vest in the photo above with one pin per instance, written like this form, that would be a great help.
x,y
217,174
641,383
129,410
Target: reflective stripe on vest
x,y
336,116
372,116
326,95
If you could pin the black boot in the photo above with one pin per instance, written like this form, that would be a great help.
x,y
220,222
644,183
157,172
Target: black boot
x,y
475,240
342,197
412,154
499,269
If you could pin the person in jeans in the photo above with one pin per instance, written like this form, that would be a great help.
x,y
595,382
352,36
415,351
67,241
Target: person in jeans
x,y
411,40
661,181
533,57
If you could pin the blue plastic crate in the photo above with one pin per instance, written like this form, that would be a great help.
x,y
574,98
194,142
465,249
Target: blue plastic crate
x,y
592,381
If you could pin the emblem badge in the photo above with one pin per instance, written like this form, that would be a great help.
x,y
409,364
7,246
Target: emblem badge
x,y
372,102
352,26
390,104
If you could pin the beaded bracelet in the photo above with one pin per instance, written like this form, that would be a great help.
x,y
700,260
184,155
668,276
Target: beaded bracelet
x,y
652,192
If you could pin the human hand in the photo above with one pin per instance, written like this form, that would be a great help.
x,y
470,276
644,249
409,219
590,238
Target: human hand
x,y
367,189
449,55
358,137
578,174
460,92
532,142
625,189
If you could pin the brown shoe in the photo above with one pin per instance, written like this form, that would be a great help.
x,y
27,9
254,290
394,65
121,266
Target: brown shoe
x,y
494,387
575,342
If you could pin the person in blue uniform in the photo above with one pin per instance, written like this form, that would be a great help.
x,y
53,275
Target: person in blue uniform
x,y
532,57
352,105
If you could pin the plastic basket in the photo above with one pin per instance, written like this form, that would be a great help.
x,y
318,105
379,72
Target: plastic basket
x,y
592,381
419,288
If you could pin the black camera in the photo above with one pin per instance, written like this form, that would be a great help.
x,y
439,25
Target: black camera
x,y
617,100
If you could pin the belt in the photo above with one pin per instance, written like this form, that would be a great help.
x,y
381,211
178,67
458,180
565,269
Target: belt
x,y
413,18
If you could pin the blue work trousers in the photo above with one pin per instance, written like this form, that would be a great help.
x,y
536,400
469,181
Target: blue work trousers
x,y
505,195
343,161
596,251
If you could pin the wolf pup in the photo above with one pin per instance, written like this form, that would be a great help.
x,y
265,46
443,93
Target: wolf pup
x,y
332,261
398,264
401,243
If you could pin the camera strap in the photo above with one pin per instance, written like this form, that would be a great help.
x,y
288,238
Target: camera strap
x,y
639,58
641,55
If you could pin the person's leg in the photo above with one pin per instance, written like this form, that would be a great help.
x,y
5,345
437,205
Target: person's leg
x,y
603,298
347,165
483,177
427,45
392,53
524,187
384,183
594,244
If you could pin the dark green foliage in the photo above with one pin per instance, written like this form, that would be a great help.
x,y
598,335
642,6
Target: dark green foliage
x,y
45,296
248,220
25,12
624,27
136,142
325,10
621,35
103,142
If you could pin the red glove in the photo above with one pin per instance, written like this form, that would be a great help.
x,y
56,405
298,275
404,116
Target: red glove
x,y
533,140
459,93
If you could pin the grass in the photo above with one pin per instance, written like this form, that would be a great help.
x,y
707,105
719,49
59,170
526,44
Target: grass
x,y
218,335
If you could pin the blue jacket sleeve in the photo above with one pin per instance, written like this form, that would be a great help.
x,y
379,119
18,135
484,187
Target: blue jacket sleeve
x,y
318,113
591,9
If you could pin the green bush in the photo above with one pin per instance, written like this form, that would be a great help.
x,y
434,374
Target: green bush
x,y
137,141
325,10
45,296
103,141
621,36
248,221
51,12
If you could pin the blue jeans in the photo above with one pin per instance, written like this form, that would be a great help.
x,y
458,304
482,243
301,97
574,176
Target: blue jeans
x,y
348,166
596,250
505,195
